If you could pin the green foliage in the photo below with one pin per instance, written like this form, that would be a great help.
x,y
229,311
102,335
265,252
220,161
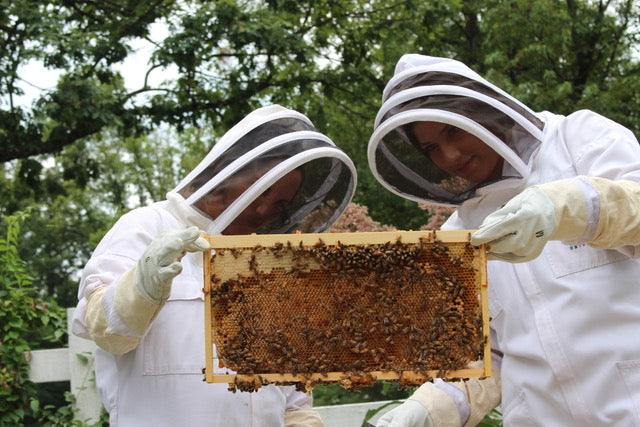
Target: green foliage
x,y
492,419
84,40
333,394
80,193
566,56
28,319
329,59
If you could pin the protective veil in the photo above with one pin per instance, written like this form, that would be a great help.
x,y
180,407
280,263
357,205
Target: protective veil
x,y
149,326
561,322
265,146
446,91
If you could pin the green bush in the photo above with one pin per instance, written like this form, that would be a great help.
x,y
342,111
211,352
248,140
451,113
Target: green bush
x,y
334,394
29,320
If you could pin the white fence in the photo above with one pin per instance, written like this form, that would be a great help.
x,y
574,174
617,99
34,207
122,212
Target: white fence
x,y
75,364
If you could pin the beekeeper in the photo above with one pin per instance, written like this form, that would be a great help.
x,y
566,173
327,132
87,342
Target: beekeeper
x,y
558,198
141,294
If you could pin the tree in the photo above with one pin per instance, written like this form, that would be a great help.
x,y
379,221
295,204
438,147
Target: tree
x,y
568,55
85,39
73,211
329,59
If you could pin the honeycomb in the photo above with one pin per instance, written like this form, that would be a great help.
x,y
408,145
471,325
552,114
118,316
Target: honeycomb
x,y
347,308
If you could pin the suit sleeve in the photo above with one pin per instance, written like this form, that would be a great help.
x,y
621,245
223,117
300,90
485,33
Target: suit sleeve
x,y
111,311
600,205
601,212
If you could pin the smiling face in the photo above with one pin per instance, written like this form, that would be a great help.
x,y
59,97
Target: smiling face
x,y
457,152
267,207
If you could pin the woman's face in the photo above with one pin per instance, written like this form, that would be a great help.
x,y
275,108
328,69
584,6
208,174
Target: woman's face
x,y
458,152
264,209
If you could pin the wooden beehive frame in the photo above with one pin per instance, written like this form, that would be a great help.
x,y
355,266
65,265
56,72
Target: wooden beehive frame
x,y
346,377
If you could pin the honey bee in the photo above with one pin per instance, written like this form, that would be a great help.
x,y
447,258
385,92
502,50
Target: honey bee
x,y
253,264
294,270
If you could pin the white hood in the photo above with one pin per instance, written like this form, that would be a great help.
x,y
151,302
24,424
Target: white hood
x,y
431,89
267,145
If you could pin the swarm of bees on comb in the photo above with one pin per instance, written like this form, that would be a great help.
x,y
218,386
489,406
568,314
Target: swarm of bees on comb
x,y
349,308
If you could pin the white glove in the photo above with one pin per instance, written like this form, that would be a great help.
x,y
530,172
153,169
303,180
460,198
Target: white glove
x,y
518,231
410,414
160,262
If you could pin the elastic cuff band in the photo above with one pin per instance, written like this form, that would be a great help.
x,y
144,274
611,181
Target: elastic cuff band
x,y
458,397
593,208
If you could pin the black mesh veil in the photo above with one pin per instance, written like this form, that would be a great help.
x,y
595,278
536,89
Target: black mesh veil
x,y
258,153
429,89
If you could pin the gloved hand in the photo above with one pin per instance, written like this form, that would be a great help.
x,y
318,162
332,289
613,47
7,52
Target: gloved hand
x,y
518,231
410,414
160,262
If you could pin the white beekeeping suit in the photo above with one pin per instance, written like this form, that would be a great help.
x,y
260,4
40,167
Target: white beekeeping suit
x,y
565,309
141,294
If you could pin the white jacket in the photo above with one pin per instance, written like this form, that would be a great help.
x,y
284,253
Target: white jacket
x,y
565,327
160,382
567,324
149,368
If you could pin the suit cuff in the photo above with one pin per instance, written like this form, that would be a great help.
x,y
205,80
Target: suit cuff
x,y
441,406
303,417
